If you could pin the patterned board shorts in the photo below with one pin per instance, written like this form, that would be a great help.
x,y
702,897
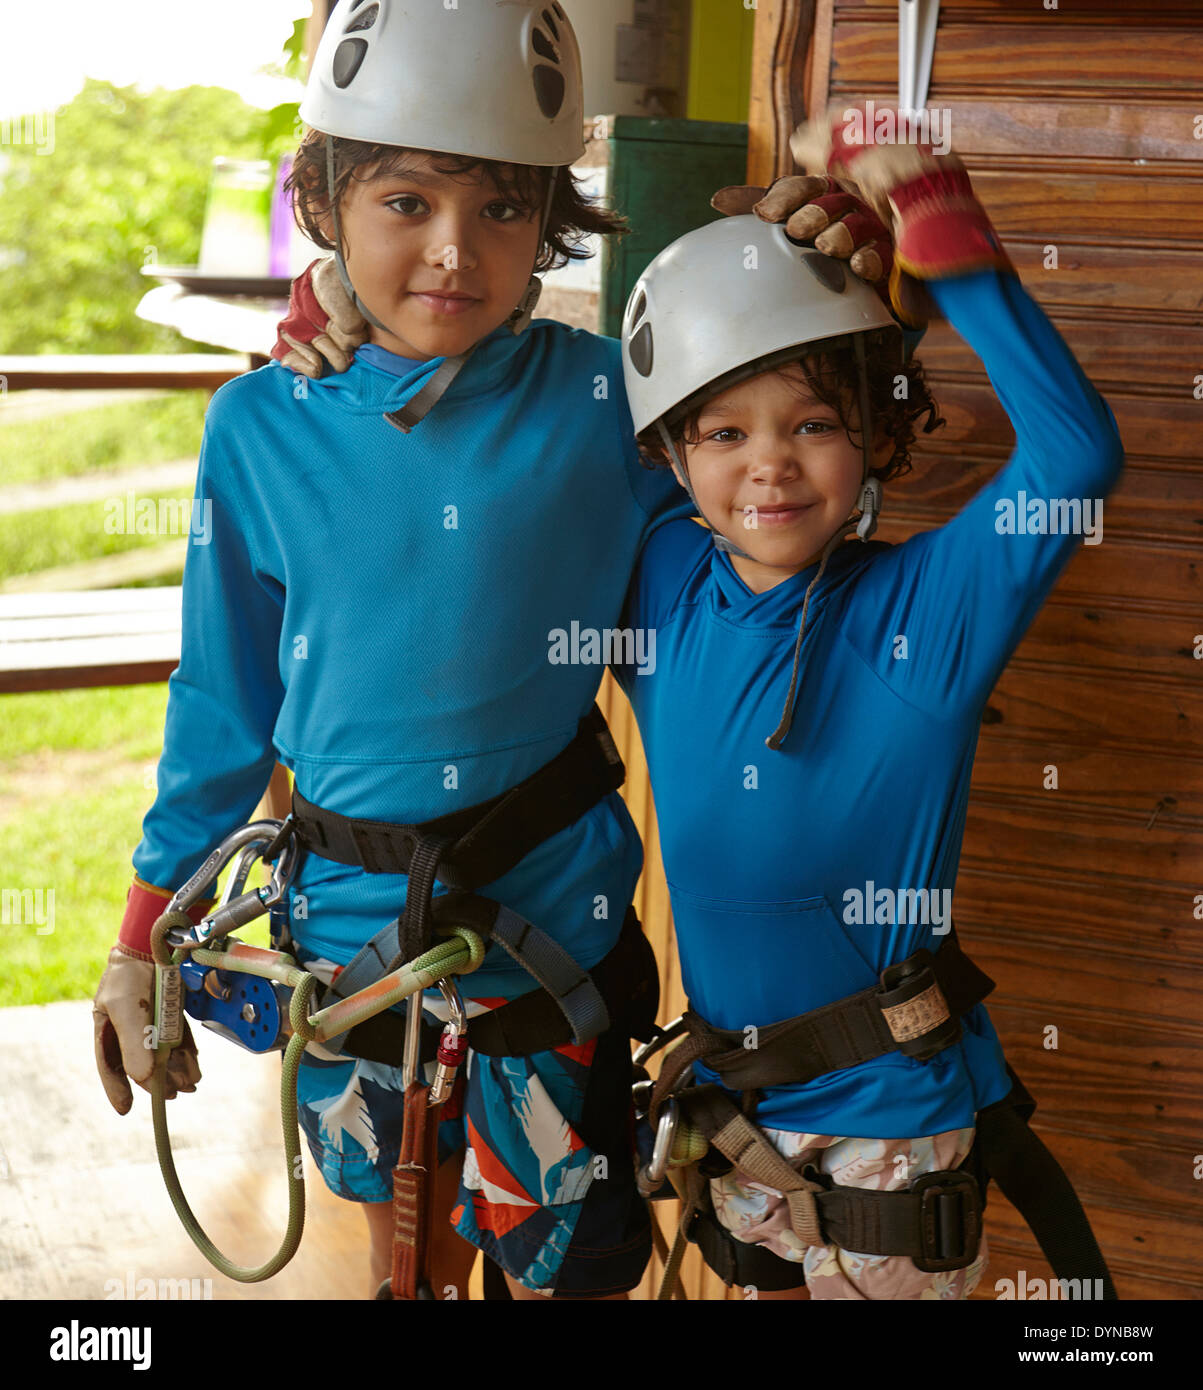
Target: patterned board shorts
x,y
758,1217
548,1185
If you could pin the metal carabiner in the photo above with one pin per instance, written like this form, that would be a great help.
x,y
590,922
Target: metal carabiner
x,y
670,1033
237,908
650,1177
453,1045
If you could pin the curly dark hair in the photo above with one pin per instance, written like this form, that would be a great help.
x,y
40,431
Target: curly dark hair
x,y
831,374
573,217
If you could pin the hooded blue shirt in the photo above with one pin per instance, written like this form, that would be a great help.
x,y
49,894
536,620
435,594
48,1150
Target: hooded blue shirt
x,y
372,609
797,876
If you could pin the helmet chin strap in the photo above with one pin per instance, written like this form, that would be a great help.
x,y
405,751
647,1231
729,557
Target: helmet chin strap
x,y
870,506
864,526
423,401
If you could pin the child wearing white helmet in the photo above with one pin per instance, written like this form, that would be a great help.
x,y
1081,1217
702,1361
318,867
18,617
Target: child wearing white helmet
x,y
390,547
810,730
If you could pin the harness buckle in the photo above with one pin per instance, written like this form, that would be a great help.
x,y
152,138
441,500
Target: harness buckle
x,y
950,1219
914,1008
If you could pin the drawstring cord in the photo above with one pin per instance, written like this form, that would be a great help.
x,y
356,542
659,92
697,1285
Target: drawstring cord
x,y
864,525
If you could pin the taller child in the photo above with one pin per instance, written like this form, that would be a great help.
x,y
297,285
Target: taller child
x,y
390,547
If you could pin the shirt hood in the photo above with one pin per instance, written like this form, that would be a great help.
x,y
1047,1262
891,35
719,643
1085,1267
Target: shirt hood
x,y
367,389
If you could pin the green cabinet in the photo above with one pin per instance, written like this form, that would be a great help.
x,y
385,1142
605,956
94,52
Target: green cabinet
x,y
662,173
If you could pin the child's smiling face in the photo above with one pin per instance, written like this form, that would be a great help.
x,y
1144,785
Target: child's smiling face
x,y
776,473
442,259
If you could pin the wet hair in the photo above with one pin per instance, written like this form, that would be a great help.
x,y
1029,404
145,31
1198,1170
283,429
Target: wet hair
x,y
831,374
573,216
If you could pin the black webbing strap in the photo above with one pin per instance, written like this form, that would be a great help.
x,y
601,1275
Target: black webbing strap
x,y
939,1214
1034,1183
935,1220
571,989
414,925
488,839
838,1035
626,978
546,962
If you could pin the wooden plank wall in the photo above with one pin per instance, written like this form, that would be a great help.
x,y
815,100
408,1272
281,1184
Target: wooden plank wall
x,y
1082,129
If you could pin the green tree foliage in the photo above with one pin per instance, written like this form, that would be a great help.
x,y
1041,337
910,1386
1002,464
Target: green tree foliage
x,y
126,182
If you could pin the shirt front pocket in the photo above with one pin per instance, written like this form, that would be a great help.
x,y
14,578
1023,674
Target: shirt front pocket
x,y
755,963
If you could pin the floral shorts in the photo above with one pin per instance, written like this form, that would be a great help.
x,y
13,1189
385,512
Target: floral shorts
x,y
758,1216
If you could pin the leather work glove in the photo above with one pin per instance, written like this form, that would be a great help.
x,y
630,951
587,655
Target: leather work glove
x,y
815,208
122,1014
937,223
322,325
123,1009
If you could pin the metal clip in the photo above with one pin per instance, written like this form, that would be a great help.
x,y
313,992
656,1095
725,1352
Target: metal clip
x,y
663,1037
453,1045
650,1177
237,908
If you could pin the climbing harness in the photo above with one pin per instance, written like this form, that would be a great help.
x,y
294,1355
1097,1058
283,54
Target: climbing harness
x,y
262,1000
701,1132
279,1010
464,851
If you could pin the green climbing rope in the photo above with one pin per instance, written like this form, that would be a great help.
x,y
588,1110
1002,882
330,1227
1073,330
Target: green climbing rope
x,y
452,957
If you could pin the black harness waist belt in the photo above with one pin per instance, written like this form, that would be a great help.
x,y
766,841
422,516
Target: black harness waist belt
x,y
626,979
916,1010
476,845
479,843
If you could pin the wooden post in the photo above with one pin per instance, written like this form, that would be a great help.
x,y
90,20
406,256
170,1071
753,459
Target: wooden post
x,y
782,60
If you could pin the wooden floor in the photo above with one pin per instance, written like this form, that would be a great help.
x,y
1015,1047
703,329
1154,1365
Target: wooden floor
x,y
81,1199
83,1209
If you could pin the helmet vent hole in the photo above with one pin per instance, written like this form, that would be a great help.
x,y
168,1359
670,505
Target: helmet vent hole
x,y
826,270
560,12
638,309
549,89
544,47
551,24
364,20
641,350
348,58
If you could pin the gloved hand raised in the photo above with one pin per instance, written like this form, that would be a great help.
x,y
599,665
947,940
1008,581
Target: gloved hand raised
x,y
322,325
937,223
815,208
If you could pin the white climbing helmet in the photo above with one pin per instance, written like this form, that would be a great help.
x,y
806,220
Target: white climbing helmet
x,y
487,79
721,304
725,297
729,300
490,79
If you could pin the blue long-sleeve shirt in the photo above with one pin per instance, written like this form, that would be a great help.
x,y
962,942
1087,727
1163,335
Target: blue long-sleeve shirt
x,y
372,609
769,854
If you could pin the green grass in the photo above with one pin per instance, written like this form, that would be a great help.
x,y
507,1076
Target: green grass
x,y
123,435
77,766
76,779
39,540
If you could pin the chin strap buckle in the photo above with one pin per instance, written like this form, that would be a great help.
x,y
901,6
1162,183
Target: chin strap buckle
x,y
870,508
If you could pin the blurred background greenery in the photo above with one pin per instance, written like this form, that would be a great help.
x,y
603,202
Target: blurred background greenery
x,y
129,178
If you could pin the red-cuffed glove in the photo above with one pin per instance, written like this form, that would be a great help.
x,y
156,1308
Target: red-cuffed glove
x,y
322,326
937,223
123,1009
815,208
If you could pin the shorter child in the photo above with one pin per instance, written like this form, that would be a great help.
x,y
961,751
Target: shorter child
x,y
811,723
